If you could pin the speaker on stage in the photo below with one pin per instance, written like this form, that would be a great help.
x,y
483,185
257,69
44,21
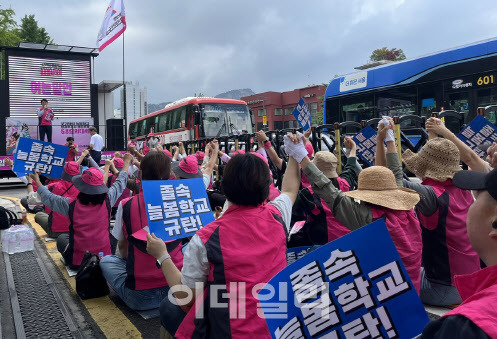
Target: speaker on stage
x,y
115,135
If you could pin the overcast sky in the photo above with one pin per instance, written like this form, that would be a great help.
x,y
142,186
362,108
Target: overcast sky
x,y
177,48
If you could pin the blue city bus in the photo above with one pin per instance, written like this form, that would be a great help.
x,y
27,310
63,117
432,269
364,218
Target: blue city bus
x,y
461,79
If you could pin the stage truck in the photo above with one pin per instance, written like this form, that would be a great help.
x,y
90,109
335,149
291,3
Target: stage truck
x,y
194,118
61,74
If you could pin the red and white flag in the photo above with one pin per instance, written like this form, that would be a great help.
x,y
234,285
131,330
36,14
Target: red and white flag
x,y
114,24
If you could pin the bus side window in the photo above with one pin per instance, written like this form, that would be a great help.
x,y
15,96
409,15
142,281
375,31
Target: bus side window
x,y
182,118
156,124
162,122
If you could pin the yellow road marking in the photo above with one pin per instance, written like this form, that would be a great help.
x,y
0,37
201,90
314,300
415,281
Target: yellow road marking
x,y
108,317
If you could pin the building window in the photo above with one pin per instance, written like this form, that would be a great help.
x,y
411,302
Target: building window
x,y
278,125
289,111
278,111
260,126
314,108
261,112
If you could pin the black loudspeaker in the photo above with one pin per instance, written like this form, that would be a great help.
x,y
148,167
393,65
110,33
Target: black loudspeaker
x,y
115,135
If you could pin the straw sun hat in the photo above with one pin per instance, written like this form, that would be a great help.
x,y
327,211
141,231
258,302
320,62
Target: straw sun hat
x,y
377,186
438,159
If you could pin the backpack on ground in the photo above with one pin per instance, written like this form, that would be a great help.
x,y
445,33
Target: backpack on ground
x,y
90,283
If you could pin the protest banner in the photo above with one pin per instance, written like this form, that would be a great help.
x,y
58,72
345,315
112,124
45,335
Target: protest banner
x,y
478,132
295,253
176,208
353,287
39,156
303,115
366,144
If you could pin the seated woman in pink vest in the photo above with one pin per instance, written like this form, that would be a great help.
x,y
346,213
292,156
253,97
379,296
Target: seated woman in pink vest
x,y
245,248
89,213
134,275
442,212
320,226
53,223
380,197
476,317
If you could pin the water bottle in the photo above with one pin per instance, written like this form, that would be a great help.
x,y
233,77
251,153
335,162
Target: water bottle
x,y
100,255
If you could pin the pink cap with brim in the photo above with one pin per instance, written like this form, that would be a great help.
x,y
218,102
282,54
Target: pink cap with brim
x,y
240,151
71,169
187,168
90,182
150,135
310,149
167,153
200,156
119,163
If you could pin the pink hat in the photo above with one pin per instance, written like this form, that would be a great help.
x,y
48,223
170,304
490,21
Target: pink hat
x,y
187,168
261,157
309,149
240,151
90,182
167,153
150,135
200,157
119,163
71,169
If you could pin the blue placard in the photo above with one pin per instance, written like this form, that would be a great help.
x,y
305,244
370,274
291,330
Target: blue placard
x,y
295,253
355,286
303,115
478,132
176,208
40,156
366,144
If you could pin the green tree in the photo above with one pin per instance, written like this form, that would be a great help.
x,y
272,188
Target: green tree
x,y
8,34
31,32
384,53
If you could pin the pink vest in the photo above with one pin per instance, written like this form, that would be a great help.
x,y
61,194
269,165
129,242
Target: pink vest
x,y
142,273
446,248
479,294
273,192
248,245
126,193
44,121
88,230
58,222
405,231
321,216
304,181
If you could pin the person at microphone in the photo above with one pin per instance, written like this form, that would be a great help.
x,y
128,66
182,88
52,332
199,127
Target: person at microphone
x,y
45,117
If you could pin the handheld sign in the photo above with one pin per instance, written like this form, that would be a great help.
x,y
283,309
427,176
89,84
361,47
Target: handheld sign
x,y
353,287
478,132
295,253
366,144
176,208
303,115
40,156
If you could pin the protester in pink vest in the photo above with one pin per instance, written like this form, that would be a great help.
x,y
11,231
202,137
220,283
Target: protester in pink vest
x,y
442,212
45,117
321,226
380,197
241,250
89,213
53,223
476,317
134,275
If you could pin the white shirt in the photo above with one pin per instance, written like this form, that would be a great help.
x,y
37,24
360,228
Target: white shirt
x,y
195,263
97,141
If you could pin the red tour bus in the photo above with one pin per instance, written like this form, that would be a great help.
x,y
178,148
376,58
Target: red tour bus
x,y
194,118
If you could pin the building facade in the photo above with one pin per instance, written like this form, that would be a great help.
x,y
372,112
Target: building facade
x,y
278,107
136,101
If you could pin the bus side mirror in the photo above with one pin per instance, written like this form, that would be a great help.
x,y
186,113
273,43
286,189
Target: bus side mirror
x,y
252,117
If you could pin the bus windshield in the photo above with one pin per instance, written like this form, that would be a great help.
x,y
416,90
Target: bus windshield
x,y
225,119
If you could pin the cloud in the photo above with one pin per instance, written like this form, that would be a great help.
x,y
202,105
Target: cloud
x,y
177,48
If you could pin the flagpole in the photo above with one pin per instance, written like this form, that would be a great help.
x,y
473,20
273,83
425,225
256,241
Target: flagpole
x,y
124,110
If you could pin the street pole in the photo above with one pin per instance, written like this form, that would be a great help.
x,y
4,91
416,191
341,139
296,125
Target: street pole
x,y
124,109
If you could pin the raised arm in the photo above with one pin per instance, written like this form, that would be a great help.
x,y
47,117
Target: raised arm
x,y
119,185
213,158
436,127
54,202
262,138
